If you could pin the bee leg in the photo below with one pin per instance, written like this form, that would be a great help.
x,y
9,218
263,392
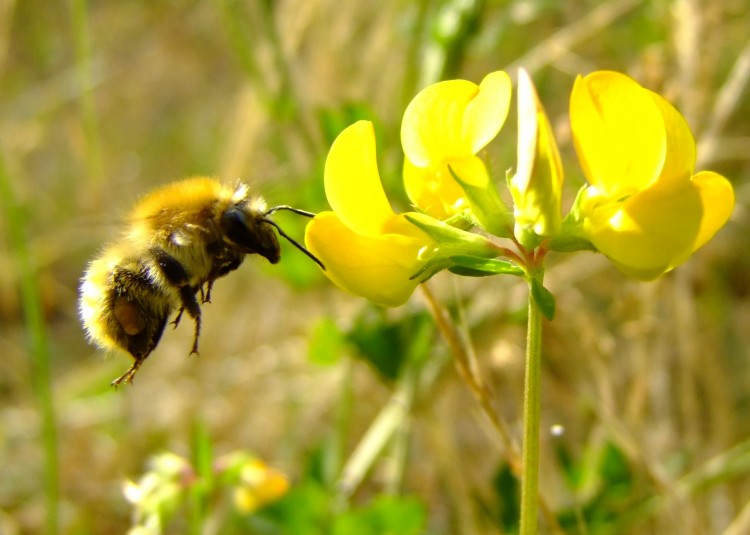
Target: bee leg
x,y
207,296
190,303
176,274
176,321
127,377
224,263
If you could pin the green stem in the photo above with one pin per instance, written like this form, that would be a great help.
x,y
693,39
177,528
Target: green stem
x,y
36,339
531,404
200,492
89,122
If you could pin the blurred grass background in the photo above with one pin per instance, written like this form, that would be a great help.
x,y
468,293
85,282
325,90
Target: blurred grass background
x,y
646,405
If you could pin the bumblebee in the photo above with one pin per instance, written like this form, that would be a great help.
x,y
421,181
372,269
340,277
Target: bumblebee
x,y
178,240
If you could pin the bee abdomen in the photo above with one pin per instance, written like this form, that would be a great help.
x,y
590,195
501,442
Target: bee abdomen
x,y
140,308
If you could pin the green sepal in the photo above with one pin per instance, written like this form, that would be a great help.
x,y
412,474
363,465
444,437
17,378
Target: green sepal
x,y
543,298
528,238
571,237
569,243
475,266
463,220
575,210
487,207
451,240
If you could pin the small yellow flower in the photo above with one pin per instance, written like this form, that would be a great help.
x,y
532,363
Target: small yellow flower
x,y
644,208
367,249
537,185
258,485
447,124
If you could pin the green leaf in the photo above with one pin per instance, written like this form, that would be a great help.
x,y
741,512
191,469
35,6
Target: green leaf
x,y
394,515
468,272
476,266
386,344
326,342
304,510
507,499
543,298
430,269
607,487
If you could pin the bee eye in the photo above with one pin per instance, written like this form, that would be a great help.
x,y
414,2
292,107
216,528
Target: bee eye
x,y
234,225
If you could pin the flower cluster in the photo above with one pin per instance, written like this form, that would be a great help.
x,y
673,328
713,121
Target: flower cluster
x,y
172,482
644,207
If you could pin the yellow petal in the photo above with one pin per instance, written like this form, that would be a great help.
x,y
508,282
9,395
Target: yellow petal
x,y
454,119
352,181
528,128
471,170
717,200
537,185
618,132
486,113
375,267
434,190
650,232
679,161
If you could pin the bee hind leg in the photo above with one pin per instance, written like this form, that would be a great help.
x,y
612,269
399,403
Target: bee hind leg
x,y
127,377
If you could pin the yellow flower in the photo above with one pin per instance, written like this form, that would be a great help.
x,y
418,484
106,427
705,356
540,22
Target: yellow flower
x,y
447,124
644,207
258,486
537,185
367,249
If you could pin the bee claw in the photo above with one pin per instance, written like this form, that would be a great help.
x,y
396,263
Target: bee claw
x,y
127,377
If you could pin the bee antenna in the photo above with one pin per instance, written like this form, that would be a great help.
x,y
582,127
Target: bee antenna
x,y
289,209
288,237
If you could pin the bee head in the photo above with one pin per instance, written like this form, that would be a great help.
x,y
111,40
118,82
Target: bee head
x,y
266,219
249,231
252,231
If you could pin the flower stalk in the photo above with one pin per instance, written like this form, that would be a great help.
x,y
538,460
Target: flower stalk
x,y
531,416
